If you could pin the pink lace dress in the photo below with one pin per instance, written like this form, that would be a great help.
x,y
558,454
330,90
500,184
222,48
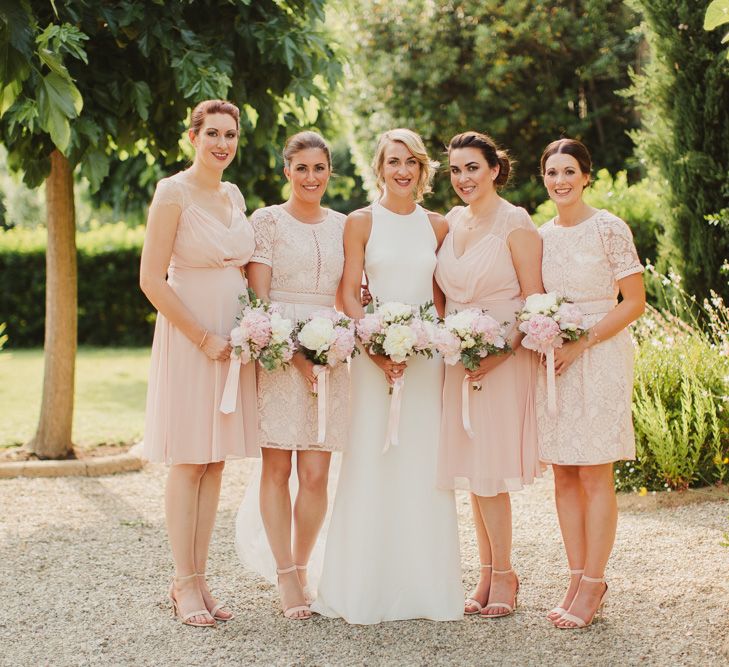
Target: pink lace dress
x,y
306,262
502,455
183,422
593,423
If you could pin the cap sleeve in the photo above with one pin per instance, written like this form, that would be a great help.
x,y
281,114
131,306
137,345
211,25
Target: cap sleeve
x,y
168,191
518,218
264,229
617,239
236,196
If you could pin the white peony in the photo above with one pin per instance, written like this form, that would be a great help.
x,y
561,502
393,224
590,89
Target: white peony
x,y
541,303
281,328
399,342
392,310
317,334
461,322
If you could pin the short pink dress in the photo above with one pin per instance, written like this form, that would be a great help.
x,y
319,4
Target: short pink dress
x,y
502,456
183,420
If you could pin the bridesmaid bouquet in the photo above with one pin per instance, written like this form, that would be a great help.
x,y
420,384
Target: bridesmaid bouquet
x,y
326,338
469,336
261,334
398,331
548,320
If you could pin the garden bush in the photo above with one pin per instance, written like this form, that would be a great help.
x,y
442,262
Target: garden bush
x,y
111,308
680,408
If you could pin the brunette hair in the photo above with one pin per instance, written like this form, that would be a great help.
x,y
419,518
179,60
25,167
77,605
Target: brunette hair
x,y
572,147
303,140
414,143
494,156
197,117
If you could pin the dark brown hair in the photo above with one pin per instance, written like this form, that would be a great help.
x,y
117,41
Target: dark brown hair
x,y
494,156
197,118
303,140
572,147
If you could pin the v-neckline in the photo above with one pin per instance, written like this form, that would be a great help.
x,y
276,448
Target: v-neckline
x,y
231,215
474,244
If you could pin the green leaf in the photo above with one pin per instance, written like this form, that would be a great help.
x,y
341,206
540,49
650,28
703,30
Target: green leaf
x,y
717,14
58,101
8,95
53,61
95,166
142,98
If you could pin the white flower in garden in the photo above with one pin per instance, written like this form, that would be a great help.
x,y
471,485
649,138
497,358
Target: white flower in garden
x,y
317,334
281,328
399,342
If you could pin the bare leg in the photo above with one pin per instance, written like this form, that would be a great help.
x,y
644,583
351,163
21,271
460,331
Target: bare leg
x,y
276,514
310,507
601,520
496,513
207,508
570,501
181,502
481,592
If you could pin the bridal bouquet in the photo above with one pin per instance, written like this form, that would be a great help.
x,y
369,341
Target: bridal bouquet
x,y
326,338
469,336
397,331
261,334
547,320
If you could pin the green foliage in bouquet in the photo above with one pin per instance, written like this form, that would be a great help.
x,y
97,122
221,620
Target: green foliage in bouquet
x,y
680,396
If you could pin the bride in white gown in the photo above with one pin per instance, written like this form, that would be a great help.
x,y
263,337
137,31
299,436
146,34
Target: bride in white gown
x,y
392,547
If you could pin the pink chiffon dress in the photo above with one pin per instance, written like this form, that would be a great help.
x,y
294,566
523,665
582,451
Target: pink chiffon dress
x,y
502,456
183,420
593,423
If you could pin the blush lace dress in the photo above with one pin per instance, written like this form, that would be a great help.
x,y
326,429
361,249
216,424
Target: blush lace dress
x,y
593,424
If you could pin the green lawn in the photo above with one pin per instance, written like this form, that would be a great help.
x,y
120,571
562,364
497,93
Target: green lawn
x,y
111,385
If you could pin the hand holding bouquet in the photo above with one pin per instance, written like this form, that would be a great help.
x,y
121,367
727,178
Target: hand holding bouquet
x,y
261,334
326,338
397,331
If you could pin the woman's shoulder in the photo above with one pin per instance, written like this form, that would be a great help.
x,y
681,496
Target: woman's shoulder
x,y
266,214
235,194
170,190
337,216
605,218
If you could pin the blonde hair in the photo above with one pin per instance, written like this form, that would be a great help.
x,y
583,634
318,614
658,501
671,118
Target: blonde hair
x,y
413,142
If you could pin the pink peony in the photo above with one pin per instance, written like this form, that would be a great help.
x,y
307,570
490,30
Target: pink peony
x,y
258,326
569,317
448,345
542,333
368,326
422,335
488,328
342,346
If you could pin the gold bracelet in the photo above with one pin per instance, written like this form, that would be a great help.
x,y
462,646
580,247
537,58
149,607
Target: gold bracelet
x,y
205,335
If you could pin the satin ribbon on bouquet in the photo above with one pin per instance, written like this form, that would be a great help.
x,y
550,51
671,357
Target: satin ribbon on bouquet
x,y
466,405
321,373
551,385
230,392
393,418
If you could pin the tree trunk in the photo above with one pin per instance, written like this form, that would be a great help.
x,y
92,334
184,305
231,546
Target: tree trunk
x,y
53,437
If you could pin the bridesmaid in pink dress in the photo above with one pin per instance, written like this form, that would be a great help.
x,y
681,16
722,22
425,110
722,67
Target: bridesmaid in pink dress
x,y
197,242
490,260
589,258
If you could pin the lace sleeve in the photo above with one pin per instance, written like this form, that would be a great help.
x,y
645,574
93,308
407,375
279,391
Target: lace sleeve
x,y
617,239
264,228
237,196
168,192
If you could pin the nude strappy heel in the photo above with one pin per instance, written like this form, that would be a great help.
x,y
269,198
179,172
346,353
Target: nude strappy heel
x,y
558,612
580,623
470,602
218,608
510,609
309,594
186,618
291,612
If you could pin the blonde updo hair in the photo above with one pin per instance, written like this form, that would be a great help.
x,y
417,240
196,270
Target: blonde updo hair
x,y
207,107
303,140
412,141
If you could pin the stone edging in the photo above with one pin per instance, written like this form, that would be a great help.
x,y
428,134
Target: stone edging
x,y
129,461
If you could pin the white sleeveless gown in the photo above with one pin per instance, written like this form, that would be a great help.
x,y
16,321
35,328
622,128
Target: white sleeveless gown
x,y
392,547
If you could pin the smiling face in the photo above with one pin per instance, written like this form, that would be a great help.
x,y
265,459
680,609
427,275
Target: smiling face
x,y
217,141
564,179
308,172
471,176
400,169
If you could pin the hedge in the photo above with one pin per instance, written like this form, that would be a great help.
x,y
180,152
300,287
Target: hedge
x,y
111,308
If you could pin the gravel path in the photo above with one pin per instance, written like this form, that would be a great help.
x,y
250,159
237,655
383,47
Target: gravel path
x,y
84,565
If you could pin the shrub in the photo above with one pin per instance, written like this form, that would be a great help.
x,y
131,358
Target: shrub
x,y
111,307
680,393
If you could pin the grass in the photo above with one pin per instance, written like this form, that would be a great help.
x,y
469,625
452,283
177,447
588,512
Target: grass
x,y
111,385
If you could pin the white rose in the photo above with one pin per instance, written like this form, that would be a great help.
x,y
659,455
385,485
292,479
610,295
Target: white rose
x,y
317,334
281,328
399,342
392,310
540,303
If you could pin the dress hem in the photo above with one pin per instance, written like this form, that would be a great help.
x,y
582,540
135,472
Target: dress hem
x,y
588,463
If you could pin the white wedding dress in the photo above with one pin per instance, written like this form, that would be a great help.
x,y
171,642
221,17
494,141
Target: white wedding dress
x,y
392,547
